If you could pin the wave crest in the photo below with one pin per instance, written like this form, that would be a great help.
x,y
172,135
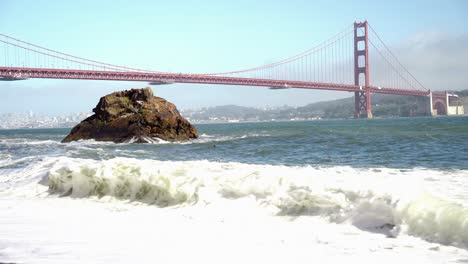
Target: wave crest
x,y
386,201
437,220
123,180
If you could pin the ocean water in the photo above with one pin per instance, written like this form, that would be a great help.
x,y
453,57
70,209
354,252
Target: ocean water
x,y
338,191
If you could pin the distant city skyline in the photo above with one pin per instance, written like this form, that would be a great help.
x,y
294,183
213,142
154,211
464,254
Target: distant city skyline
x,y
429,37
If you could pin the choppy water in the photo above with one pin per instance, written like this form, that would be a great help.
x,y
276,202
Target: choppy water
x,y
368,189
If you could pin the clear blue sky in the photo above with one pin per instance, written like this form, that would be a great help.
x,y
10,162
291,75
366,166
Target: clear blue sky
x,y
200,36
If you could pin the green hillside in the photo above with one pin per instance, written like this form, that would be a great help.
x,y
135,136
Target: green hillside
x,y
382,106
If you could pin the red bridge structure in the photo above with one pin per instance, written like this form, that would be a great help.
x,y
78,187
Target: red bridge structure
x,y
341,63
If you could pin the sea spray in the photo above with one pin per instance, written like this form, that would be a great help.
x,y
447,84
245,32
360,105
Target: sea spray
x,y
436,220
372,200
123,180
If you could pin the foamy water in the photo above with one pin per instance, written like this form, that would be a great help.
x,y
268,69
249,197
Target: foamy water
x,y
93,202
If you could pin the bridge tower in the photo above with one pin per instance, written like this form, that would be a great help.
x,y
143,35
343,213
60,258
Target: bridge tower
x,y
362,98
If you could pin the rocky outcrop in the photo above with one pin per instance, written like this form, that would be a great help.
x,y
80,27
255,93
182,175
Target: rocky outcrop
x,y
134,115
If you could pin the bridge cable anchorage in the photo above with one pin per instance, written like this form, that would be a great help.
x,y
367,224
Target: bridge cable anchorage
x,y
102,64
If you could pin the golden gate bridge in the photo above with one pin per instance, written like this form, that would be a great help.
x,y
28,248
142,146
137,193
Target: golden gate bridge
x,y
341,63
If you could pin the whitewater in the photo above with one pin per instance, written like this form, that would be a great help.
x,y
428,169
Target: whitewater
x,y
357,191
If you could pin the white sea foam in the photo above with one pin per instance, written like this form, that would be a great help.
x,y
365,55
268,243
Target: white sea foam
x,y
204,138
120,179
385,201
27,142
436,220
151,140
5,159
218,138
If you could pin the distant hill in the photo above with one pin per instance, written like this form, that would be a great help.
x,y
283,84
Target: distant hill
x,y
382,106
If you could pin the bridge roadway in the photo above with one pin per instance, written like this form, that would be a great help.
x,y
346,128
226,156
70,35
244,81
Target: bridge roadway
x,y
19,73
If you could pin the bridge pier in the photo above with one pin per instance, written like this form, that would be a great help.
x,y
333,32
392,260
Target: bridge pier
x,y
362,104
362,98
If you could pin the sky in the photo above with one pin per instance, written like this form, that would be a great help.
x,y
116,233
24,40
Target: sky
x,y
429,37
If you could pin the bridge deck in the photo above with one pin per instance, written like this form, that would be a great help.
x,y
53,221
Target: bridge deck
x,y
11,73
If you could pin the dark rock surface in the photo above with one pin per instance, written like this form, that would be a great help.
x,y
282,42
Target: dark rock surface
x,y
134,115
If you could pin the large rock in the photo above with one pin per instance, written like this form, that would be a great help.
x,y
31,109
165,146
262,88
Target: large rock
x,y
135,115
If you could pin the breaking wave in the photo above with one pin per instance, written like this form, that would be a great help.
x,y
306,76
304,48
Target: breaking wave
x,y
204,138
386,201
